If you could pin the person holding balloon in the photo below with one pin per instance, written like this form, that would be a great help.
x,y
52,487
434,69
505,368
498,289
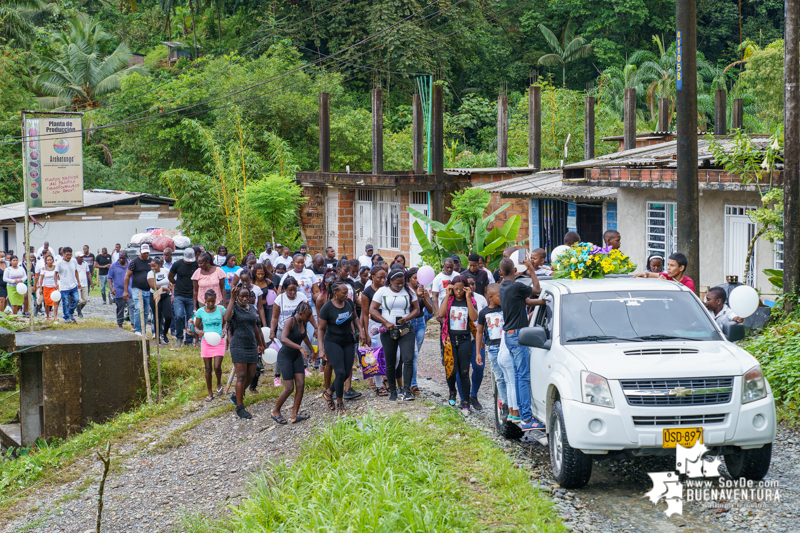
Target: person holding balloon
x,y
291,364
15,276
247,342
209,326
47,280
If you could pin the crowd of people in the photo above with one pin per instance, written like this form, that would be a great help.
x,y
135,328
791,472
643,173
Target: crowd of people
x,y
319,313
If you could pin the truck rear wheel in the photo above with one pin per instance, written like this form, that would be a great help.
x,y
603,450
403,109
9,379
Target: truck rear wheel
x,y
749,464
505,429
571,468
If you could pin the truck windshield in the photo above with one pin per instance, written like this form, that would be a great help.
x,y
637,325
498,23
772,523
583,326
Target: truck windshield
x,y
634,316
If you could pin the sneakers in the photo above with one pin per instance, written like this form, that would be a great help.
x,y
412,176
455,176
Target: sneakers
x,y
407,396
136,332
465,410
233,399
351,394
277,381
393,395
452,399
473,400
532,425
241,412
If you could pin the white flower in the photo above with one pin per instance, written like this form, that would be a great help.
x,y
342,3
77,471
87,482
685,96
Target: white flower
x,y
775,145
765,164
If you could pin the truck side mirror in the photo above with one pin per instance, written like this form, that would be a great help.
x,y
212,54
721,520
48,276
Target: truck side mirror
x,y
533,337
733,331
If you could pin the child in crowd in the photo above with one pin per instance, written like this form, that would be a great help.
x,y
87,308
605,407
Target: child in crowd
x,y
655,263
571,238
676,266
612,239
489,334
538,257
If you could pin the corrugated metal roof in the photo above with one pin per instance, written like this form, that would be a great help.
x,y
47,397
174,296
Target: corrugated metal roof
x,y
548,184
91,198
658,155
488,170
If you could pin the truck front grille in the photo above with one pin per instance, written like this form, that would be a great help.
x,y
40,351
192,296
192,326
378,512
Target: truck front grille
x,y
683,420
676,392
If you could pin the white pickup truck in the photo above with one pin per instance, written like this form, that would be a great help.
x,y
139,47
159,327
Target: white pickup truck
x,y
630,367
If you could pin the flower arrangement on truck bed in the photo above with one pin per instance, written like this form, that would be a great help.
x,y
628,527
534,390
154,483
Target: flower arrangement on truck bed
x,y
585,260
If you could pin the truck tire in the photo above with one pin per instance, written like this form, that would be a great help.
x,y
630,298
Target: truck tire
x,y
749,464
505,429
571,468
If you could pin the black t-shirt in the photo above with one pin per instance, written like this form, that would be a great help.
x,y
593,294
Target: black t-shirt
x,y
458,318
491,318
183,277
140,268
276,280
512,300
481,281
496,276
331,263
90,260
103,263
369,292
338,321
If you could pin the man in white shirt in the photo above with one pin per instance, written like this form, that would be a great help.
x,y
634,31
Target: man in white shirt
x,y
440,284
68,284
115,253
284,259
306,255
366,259
83,271
268,253
716,303
41,250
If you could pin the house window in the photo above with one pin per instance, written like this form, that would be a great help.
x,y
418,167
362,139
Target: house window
x,y
779,254
662,225
388,220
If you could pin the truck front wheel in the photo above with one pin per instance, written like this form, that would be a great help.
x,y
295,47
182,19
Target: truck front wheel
x,y
749,464
571,468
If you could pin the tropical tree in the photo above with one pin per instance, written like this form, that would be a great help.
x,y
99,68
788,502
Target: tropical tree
x,y
17,20
615,80
83,70
568,49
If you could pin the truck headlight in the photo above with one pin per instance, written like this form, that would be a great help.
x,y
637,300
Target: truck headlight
x,y
755,386
595,390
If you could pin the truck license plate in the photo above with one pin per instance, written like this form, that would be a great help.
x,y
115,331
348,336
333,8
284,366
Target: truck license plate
x,y
686,437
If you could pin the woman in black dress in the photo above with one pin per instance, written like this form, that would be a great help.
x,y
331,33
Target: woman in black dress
x,y
247,343
290,362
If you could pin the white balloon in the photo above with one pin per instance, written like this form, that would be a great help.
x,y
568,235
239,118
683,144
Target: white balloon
x,y
55,296
558,250
743,301
265,332
22,288
270,356
212,338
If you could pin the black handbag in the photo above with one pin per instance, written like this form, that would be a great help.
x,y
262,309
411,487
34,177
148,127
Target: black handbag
x,y
399,331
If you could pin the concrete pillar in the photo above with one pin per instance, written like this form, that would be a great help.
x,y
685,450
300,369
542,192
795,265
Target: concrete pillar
x,y
535,126
377,131
502,130
588,128
324,132
417,137
720,112
737,114
629,132
437,147
663,114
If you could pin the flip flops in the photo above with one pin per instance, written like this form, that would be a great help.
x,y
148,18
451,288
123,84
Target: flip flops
x,y
279,419
210,397
301,417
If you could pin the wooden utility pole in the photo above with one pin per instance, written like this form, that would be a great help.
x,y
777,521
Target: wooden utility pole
x,y
686,82
377,131
324,132
535,125
502,127
438,211
417,136
588,128
791,155
629,125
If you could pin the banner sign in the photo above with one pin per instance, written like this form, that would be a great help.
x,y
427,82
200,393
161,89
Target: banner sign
x,y
53,161
678,62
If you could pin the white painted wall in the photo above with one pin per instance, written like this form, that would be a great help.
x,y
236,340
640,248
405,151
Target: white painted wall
x,y
631,207
95,233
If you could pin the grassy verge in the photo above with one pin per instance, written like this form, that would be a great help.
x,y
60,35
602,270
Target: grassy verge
x,y
392,474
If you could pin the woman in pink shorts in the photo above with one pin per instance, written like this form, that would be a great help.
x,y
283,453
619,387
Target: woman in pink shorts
x,y
211,318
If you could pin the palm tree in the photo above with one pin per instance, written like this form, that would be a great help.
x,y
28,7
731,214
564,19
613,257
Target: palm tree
x,y
615,80
569,49
17,20
83,70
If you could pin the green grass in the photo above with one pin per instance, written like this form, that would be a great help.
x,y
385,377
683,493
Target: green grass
x,y
391,474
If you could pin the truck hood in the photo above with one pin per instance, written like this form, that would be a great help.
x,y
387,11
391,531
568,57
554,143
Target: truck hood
x,y
664,359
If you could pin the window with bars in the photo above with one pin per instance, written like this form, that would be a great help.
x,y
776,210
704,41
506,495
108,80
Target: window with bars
x,y
662,225
779,254
388,220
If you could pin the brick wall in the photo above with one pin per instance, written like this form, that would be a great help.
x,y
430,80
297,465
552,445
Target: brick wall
x,y
312,217
518,206
346,224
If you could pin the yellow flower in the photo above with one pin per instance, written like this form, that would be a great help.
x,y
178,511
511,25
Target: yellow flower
x,y
589,261
572,274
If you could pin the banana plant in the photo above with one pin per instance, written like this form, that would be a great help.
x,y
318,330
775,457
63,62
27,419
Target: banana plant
x,y
775,277
455,237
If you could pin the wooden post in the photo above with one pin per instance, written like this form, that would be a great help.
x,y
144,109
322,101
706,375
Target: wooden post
x,y
145,356
157,298
535,127
720,112
791,156
418,140
437,109
588,128
737,114
629,131
663,114
324,132
502,130
377,131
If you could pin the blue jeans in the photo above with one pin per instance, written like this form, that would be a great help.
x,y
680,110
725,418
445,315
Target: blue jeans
x,y
103,284
419,325
493,350
184,310
477,374
522,375
137,321
69,302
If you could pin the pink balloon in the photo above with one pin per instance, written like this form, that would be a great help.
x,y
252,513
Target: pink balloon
x,y
425,275
271,295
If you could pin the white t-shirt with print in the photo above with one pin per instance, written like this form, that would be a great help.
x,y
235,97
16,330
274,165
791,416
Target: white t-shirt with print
x,y
305,281
394,305
162,279
440,284
83,273
287,307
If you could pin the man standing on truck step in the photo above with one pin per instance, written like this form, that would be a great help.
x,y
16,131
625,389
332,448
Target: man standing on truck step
x,y
513,296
